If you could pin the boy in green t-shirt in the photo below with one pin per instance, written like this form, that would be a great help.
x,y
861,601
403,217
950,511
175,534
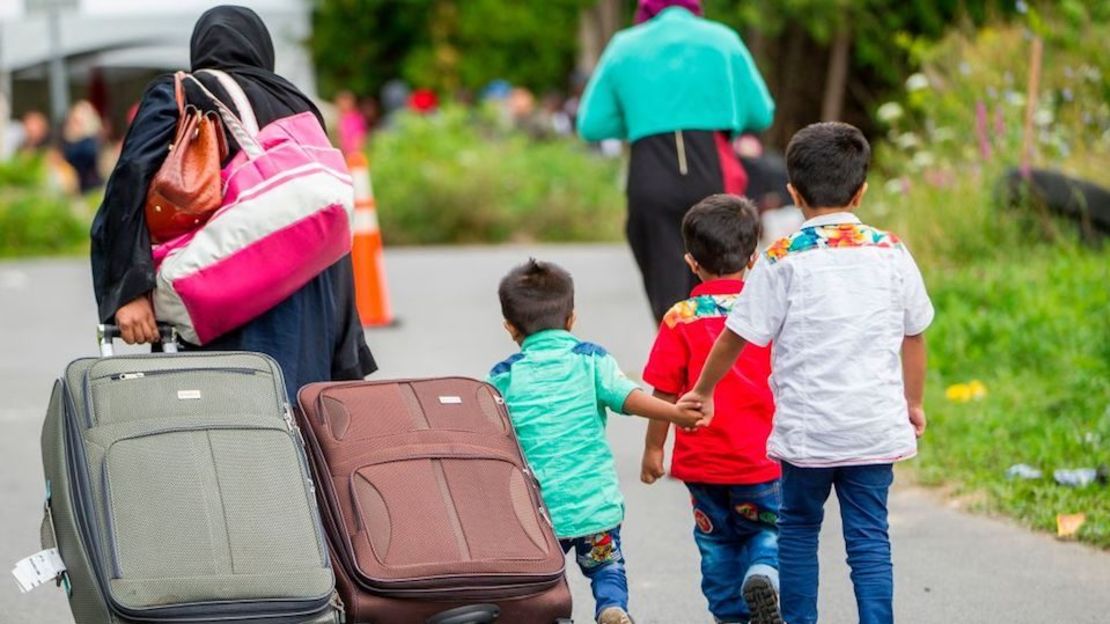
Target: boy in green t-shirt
x,y
557,390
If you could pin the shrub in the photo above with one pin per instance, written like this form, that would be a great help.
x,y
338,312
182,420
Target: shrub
x,y
959,127
456,178
34,220
22,171
35,223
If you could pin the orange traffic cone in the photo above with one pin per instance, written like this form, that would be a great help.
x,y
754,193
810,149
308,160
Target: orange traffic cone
x,y
371,292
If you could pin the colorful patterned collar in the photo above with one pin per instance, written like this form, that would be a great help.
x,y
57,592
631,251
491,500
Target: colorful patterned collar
x,y
832,235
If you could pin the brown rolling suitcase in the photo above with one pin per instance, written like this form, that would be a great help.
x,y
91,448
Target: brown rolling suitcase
x,y
431,511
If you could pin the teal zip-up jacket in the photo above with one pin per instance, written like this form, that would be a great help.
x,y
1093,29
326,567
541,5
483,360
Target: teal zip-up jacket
x,y
674,72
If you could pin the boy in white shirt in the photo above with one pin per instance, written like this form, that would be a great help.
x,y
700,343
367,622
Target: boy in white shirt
x,y
846,309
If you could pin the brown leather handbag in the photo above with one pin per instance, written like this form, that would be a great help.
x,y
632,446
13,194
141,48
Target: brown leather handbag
x,y
187,189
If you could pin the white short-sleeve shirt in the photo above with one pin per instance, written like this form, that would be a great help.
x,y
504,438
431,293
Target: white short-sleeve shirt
x,y
836,299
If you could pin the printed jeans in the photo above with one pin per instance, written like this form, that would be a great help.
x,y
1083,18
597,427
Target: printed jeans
x,y
600,558
736,530
862,492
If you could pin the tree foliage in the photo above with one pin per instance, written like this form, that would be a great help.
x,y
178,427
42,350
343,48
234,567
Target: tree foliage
x,y
444,44
360,44
880,28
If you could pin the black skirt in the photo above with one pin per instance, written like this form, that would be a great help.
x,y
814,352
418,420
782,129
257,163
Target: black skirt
x,y
668,174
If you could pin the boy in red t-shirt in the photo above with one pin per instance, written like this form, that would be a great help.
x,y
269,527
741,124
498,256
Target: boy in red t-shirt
x,y
734,487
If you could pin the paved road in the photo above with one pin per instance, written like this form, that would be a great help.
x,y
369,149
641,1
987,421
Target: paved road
x,y
950,567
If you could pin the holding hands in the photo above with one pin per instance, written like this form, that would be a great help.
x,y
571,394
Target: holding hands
x,y
697,402
691,415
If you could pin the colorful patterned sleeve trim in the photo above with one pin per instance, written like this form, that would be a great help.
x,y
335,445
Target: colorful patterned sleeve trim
x,y
705,306
843,235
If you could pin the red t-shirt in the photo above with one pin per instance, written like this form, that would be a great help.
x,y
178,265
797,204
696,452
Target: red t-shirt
x,y
733,448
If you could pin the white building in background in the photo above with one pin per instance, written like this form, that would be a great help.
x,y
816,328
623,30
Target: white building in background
x,y
114,47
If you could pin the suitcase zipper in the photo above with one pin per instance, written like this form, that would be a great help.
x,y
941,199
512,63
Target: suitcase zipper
x,y
89,409
167,371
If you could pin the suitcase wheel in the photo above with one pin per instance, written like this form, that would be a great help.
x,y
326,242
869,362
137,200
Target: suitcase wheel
x,y
473,614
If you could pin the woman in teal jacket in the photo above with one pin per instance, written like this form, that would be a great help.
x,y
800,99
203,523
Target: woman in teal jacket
x,y
677,87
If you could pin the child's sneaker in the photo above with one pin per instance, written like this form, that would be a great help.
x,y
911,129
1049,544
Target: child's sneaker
x,y
762,599
614,615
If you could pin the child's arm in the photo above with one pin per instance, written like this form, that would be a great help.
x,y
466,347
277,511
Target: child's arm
x,y
721,358
640,403
913,376
651,466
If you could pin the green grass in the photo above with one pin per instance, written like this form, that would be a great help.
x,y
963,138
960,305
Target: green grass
x,y
1035,329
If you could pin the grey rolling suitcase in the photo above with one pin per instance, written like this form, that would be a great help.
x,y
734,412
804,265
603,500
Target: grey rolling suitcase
x,y
178,491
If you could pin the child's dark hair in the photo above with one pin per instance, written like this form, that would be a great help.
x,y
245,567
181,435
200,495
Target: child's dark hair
x,y
536,296
827,163
721,233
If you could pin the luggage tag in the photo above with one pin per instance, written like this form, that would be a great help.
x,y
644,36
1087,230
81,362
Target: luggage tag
x,y
45,565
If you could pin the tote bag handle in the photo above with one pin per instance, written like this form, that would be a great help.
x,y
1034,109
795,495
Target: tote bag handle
x,y
244,130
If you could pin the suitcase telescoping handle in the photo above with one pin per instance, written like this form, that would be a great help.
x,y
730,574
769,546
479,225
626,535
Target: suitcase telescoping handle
x,y
473,614
105,334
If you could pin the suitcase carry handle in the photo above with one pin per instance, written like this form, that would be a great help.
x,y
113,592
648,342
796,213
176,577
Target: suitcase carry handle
x,y
473,614
105,334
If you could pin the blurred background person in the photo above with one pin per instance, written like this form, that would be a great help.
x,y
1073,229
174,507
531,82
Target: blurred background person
x,y
677,87
81,144
36,132
351,123
11,131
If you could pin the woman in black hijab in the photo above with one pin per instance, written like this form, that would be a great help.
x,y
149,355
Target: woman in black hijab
x,y
314,334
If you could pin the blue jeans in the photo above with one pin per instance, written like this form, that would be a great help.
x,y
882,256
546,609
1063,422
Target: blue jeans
x,y
862,492
736,530
601,560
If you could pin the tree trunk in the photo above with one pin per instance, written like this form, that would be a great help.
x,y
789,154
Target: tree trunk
x,y
836,81
596,25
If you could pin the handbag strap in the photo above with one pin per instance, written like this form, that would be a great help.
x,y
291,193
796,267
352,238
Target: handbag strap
x,y
179,93
238,98
243,136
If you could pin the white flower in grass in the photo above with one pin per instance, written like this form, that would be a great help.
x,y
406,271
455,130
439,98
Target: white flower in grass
x,y
907,140
1043,117
894,186
917,82
889,112
924,159
943,134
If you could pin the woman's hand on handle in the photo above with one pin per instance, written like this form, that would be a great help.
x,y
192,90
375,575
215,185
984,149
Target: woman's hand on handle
x,y
136,321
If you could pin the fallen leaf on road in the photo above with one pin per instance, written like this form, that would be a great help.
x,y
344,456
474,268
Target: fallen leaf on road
x,y
1067,525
